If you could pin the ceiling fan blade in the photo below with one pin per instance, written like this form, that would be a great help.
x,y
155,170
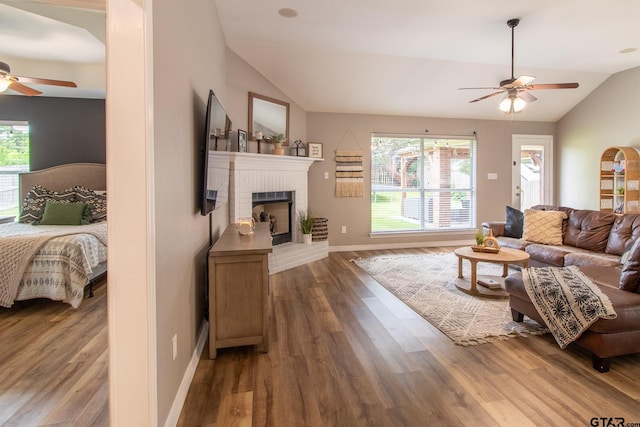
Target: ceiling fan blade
x,y
523,80
36,80
483,88
526,96
486,96
553,86
25,90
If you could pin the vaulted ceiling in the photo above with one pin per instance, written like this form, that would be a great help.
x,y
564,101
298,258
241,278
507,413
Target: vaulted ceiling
x,y
396,57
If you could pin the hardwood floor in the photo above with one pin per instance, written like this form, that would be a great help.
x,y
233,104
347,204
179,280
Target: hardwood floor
x,y
54,362
344,352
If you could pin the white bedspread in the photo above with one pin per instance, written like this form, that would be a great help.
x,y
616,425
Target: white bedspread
x,y
49,261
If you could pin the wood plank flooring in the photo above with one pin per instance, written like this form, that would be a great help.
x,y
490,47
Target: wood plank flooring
x,y
53,363
345,352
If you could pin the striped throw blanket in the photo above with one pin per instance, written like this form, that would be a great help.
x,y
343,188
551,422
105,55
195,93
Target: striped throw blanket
x,y
567,300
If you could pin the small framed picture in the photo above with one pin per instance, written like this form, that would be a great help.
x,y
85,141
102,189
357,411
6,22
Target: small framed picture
x,y
242,141
314,149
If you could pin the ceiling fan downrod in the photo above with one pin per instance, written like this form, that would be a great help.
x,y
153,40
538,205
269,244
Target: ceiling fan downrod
x,y
512,23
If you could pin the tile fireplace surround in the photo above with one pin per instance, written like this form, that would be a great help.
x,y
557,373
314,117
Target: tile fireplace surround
x,y
259,173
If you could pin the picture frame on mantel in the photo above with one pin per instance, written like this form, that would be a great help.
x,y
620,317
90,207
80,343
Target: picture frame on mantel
x,y
242,141
314,150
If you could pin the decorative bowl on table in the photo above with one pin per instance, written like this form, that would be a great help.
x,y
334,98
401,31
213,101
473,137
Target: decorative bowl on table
x,y
487,249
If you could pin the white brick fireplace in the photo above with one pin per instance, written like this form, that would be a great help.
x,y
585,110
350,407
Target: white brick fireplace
x,y
260,173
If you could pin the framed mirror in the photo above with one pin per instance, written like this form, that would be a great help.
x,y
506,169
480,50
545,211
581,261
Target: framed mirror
x,y
269,116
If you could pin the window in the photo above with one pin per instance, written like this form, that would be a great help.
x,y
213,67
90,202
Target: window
x,y
422,183
14,158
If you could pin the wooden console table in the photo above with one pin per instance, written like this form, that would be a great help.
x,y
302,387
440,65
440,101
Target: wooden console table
x,y
239,305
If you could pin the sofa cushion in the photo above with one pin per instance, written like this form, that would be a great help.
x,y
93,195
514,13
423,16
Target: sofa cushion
x,y
514,224
630,276
624,231
513,243
627,308
543,226
546,254
588,229
588,258
625,304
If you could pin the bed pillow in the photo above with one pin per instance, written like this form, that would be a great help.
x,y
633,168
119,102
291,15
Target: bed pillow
x,y
514,224
97,201
543,226
59,213
38,196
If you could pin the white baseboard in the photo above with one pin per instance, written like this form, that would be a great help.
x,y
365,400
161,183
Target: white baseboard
x,y
181,396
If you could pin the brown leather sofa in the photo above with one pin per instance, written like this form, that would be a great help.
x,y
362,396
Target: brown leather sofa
x,y
594,241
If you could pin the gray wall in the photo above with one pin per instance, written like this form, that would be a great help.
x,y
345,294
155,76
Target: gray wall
x,y
353,132
62,130
607,117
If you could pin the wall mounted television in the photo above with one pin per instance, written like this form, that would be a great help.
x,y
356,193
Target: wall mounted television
x,y
214,189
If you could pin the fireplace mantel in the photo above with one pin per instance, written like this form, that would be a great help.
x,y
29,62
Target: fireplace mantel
x,y
267,162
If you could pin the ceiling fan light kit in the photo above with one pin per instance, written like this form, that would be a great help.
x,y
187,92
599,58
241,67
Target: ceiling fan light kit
x,y
518,90
512,104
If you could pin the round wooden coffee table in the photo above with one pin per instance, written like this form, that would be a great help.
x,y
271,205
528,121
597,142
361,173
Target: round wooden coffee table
x,y
505,257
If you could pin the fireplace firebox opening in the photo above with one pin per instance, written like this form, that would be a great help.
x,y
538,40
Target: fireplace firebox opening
x,y
275,207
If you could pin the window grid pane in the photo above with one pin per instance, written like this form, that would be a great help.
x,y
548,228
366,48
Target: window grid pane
x,y
422,184
14,159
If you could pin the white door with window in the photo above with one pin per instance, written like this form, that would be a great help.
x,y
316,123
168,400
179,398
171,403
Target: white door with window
x,y
532,175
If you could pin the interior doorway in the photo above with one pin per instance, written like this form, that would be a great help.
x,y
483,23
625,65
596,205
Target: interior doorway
x,y
532,176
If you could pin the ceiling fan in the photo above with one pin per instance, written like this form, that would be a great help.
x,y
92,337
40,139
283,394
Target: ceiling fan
x,y
9,81
518,89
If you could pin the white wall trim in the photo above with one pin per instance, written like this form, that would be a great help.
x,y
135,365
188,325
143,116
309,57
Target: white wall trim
x,y
406,245
151,213
131,310
181,395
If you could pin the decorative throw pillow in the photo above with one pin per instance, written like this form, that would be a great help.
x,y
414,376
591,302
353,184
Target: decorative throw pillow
x,y
58,213
625,255
98,202
514,223
630,276
543,226
38,196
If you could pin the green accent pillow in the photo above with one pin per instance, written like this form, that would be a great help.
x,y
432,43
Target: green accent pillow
x,y
56,213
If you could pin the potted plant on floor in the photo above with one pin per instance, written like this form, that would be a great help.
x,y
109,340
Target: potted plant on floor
x,y
306,224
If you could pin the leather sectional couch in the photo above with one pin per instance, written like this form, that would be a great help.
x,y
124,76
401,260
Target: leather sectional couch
x,y
595,242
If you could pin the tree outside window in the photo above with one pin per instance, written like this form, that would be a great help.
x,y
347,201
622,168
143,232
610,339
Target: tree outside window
x,y
14,159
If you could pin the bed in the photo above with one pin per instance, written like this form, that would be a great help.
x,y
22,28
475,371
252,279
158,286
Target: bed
x,y
49,260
